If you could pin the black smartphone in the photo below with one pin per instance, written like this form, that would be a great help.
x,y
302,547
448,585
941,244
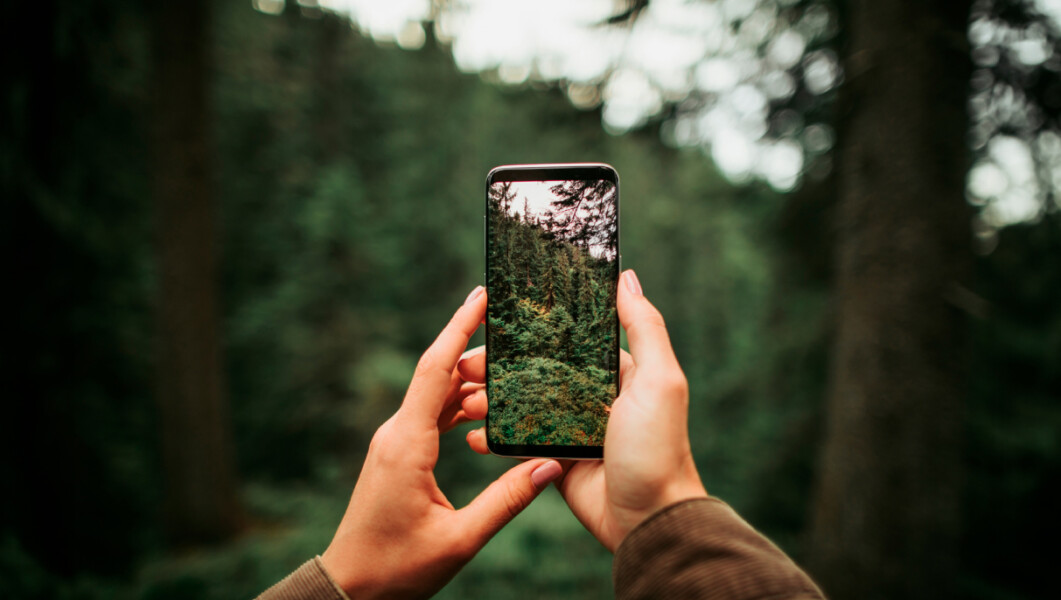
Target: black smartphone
x,y
552,333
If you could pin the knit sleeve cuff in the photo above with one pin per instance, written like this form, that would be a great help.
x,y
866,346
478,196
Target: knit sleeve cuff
x,y
309,582
701,548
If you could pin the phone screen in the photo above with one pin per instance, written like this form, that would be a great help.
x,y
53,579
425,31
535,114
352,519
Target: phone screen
x,y
552,334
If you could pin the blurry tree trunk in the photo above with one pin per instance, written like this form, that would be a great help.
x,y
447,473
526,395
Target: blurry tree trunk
x,y
201,503
885,516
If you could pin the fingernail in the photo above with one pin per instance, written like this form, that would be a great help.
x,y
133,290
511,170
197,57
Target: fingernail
x,y
474,294
546,473
632,283
474,351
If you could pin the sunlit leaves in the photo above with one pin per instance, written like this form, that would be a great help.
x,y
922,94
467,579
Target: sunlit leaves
x,y
1014,103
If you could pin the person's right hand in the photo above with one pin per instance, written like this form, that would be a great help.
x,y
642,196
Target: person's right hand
x,y
648,464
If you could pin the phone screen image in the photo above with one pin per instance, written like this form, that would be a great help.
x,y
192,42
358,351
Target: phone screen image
x,y
552,333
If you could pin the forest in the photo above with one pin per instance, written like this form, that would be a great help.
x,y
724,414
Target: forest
x,y
229,232
552,331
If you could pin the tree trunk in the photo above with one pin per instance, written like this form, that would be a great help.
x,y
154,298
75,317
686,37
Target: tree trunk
x,y
885,515
201,503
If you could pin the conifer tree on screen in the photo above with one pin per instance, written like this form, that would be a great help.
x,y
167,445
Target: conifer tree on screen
x,y
552,328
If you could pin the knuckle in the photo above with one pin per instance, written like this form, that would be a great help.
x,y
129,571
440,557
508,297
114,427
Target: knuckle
x,y
381,446
655,319
675,385
376,444
652,320
516,499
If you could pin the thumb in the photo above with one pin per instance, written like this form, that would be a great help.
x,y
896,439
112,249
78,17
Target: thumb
x,y
505,498
645,329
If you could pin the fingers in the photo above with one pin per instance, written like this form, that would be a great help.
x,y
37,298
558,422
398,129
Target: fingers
x,y
456,400
505,498
457,419
468,389
477,441
472,365
474,405
455,395
565,466
645,329
434,374
469,404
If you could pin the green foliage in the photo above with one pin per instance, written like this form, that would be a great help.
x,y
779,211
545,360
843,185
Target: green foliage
x,y
1013,418
552,325
339,266
341,262
546,401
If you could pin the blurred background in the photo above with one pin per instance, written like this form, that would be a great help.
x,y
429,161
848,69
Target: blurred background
x,y
231,228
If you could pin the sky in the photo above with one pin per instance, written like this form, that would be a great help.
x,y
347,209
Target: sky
x,y
537,198
734,57
537,195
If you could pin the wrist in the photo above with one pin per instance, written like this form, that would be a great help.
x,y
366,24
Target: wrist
x,y
331,579
676,491
340,571
680,489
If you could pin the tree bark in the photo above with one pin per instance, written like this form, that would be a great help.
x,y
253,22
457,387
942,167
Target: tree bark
x,y
201,502
885,514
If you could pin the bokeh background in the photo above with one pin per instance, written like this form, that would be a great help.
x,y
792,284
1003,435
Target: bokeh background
x,y
231,227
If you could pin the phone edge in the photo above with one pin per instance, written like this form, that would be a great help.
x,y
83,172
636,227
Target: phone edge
x,y
490,176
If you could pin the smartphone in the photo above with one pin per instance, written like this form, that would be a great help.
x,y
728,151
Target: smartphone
x,y
552,333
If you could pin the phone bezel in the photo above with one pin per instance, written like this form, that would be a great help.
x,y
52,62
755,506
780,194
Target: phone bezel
x,y
549,172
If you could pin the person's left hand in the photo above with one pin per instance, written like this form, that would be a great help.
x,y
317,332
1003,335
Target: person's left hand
x,y
400,537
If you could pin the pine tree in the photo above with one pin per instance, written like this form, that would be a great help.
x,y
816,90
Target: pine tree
x,y
551,325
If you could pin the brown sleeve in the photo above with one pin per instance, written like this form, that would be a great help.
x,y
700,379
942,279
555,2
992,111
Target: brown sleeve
x,y
702,549
308,582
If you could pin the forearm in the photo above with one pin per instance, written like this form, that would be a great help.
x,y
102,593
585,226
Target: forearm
x,y
703,549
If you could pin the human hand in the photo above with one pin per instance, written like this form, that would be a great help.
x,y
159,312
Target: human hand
x,y
400,536
648,463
